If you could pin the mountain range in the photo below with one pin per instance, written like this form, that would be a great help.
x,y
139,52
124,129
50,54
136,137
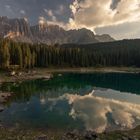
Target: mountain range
x,y
21,31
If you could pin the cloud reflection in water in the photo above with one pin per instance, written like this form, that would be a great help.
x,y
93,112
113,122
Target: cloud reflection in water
x,y
104,109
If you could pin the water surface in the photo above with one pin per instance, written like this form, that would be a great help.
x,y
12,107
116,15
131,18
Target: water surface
x,y
94,101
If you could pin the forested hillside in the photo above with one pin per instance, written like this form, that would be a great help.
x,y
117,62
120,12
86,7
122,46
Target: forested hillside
x,y
23,55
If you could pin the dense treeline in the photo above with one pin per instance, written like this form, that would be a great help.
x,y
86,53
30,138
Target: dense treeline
x,y
24,55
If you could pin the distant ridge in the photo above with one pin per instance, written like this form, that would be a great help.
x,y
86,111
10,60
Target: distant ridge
x,y
117,43
20,30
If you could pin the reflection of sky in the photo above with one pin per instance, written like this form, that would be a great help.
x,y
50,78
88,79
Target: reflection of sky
x,y
37,113
103,109
117,95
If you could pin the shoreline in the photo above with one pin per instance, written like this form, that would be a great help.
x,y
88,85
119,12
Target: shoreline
x,y
37,134
46,73
96,69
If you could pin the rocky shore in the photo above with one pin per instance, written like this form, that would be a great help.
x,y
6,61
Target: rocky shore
x,y
24,134
116,135
46,73
18,76
4,96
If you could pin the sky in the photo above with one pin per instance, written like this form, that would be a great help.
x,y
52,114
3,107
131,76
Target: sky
x,y
119,18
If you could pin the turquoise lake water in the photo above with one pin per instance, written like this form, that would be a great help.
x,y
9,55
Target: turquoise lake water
x,y
91,101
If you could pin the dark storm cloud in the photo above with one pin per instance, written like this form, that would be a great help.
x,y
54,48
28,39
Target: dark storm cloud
x,y
35,8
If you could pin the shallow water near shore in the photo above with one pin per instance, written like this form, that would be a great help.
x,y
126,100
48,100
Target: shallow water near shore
x,y
82,101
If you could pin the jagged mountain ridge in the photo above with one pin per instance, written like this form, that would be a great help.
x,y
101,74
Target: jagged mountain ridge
x,y
20,30
16,29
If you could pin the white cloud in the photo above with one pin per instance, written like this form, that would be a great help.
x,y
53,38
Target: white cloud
x,y
98,13
9,9
22,12
7,6
60,10
122,31
42,20
50,14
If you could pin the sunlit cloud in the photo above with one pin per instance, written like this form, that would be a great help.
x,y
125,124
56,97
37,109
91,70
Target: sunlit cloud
x,y
42,20
92,13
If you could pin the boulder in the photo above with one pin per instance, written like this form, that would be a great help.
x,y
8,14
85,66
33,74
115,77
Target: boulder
x,y
89,135
4,97
13,73
20,73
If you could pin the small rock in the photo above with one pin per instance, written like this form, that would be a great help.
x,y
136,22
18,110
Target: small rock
x,y
13,73
90,135
97,139
60,75
125,138
130,138
20,73
70,135
44,137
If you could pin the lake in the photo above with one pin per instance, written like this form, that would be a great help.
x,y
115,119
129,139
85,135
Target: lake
x,y
82,101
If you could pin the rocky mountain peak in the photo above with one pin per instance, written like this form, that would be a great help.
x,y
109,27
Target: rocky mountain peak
x,y
20,30
14,28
